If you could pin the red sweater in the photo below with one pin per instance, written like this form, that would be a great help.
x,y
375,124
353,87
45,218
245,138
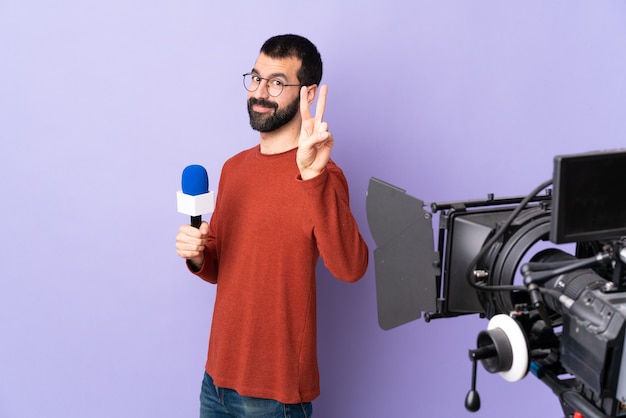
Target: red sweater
x,y
267,231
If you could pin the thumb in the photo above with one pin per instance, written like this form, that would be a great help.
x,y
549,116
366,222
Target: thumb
x,y
204,229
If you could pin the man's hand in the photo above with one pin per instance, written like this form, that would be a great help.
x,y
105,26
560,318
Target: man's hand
x,y
190,243
315,141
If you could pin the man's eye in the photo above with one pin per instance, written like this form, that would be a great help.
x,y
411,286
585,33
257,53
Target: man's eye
x,y
256,78
276,83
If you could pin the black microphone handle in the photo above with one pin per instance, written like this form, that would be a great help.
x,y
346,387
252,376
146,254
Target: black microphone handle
x,y
196,221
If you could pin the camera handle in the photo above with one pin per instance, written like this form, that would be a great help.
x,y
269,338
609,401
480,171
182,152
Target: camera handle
x,y
503,349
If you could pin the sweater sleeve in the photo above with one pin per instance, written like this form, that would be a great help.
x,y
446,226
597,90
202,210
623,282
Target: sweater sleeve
x,y
339,241
208,271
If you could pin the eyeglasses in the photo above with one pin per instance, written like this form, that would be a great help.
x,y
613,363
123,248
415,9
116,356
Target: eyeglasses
x,y
274,86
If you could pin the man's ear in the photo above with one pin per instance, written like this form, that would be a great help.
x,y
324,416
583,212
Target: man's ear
x,y
311,91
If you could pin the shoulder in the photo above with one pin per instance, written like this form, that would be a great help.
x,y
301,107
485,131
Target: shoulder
x,y
335,171
241,157
332,167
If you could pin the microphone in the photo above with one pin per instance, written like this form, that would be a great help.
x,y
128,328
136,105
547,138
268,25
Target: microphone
x,y
195,199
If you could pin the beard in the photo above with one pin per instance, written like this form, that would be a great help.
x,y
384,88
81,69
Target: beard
x,y
270,121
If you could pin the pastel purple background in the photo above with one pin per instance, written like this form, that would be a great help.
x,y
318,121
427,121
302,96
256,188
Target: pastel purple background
x,y
103,103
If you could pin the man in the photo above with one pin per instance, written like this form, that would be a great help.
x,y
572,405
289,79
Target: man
x,y
280,205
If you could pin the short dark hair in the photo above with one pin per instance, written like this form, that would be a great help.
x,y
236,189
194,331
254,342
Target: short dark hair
x,y
284,46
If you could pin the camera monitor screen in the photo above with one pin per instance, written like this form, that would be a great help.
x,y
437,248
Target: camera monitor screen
x,y
589,197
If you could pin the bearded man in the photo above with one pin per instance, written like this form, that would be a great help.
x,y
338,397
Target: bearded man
x,y
280,206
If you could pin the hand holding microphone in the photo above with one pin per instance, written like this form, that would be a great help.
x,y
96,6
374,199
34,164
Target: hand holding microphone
x,y
194,200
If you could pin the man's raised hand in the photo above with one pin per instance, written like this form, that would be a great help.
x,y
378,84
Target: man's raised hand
x,y
315,141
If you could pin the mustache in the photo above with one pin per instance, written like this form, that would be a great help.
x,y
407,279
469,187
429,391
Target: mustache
x,y
265,103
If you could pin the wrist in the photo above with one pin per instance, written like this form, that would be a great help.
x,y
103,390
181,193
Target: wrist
x,y
195,265
307,174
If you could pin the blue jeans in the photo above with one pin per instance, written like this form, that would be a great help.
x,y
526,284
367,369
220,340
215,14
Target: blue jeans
x,y
218,402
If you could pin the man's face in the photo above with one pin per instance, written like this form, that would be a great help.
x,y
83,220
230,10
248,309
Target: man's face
x,y
269,113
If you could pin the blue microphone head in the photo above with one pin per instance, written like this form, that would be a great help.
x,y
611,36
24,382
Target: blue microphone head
x,y
195,180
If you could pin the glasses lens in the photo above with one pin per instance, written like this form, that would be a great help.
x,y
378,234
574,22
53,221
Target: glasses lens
x,y
274,87
250,82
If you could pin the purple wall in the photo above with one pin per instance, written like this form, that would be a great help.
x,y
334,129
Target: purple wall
x,y
102,104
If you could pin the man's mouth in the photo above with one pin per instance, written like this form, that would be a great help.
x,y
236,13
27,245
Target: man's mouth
x,y
262,109
262,106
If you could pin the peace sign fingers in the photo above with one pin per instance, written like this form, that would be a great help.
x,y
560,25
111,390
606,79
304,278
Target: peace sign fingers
x,y
305,112
321,104
315,141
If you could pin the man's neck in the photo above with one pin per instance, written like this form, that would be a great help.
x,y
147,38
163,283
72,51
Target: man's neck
x,y
281,140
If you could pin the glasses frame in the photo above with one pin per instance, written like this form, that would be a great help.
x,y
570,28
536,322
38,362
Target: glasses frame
x,y
267,84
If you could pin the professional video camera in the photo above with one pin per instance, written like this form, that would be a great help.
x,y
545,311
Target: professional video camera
x,y
566,321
